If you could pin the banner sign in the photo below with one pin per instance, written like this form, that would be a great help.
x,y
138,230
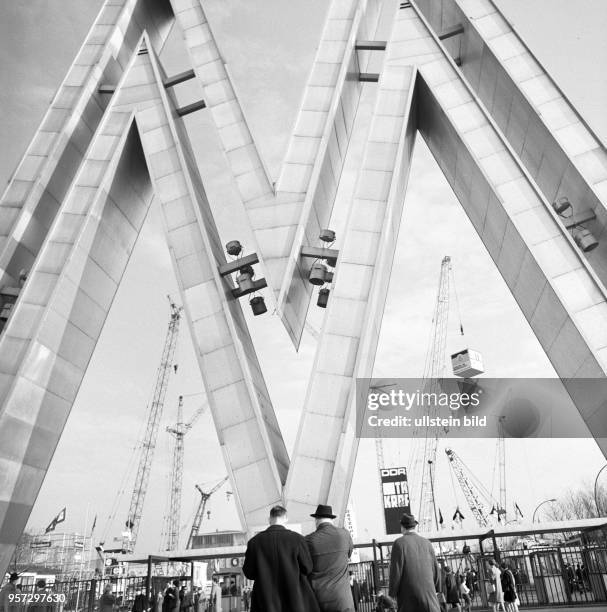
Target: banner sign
x,y
395,494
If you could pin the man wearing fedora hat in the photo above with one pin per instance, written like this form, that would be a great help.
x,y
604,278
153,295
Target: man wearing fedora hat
x,y
414,572
278,560
330,548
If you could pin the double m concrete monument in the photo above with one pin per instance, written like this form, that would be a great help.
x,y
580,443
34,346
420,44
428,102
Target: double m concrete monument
x,y
529,172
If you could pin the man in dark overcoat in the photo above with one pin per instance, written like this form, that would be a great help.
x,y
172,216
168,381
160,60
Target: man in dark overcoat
x,y
414,572
170,603
331,548
279,562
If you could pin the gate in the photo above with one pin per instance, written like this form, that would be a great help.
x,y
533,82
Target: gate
x,y
364,575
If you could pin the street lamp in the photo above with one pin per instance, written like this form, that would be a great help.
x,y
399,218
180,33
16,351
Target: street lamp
x,y
546,501
596,498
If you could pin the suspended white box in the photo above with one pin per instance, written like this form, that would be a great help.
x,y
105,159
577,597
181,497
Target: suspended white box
x,y
467,363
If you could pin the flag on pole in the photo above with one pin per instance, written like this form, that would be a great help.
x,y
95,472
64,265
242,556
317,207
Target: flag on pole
x,y
458,516
58,519
518,509
94,525
440,517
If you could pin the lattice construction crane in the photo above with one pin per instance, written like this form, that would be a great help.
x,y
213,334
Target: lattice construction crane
x,y
501,457
434,370
179,430
204,498
148,444
476,495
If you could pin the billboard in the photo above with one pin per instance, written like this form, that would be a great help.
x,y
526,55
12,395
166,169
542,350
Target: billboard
x,y
395,496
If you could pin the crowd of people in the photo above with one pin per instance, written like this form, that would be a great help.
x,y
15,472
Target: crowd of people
x,y
292,573
177,597
577,577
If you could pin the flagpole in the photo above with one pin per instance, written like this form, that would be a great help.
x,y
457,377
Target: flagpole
x,y
90,553
440,545
86,520
63,555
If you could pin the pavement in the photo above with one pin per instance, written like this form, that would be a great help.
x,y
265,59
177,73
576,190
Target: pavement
x,y
589,607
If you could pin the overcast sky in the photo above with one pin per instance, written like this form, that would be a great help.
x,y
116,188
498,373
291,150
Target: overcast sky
x,y
269,46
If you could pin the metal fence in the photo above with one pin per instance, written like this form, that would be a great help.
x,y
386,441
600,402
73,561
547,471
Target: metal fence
x,y
548,576
81,595
365,575
564,575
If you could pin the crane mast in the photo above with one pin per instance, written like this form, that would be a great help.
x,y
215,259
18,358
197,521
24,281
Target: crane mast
x,y
434,370
179,430
174,516
148,445
473,497
379,451
204,498
501,452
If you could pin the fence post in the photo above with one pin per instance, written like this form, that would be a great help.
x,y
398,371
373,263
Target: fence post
x,y
148,580
375,574
92,592
496,550
382,568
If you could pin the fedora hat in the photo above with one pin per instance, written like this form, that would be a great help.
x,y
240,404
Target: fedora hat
x,y
408,521
323,512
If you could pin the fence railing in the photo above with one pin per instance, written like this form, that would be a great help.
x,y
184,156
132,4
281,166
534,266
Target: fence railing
x,y
573,575
545,576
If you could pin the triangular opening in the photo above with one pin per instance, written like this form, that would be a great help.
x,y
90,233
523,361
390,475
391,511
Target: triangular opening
x,y
109,416
149,267
434,224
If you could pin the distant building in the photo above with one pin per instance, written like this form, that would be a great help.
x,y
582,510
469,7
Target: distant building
x,y
229,567
219,539
59,554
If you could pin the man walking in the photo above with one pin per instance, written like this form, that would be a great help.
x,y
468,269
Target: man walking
x,y
331,548
279,562
140,603
509,588
170,603
171,597
414,572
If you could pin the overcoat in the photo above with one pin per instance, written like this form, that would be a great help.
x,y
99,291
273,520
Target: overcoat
x,y
170,601
331,548
140,603
215,598
414,574
278,560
